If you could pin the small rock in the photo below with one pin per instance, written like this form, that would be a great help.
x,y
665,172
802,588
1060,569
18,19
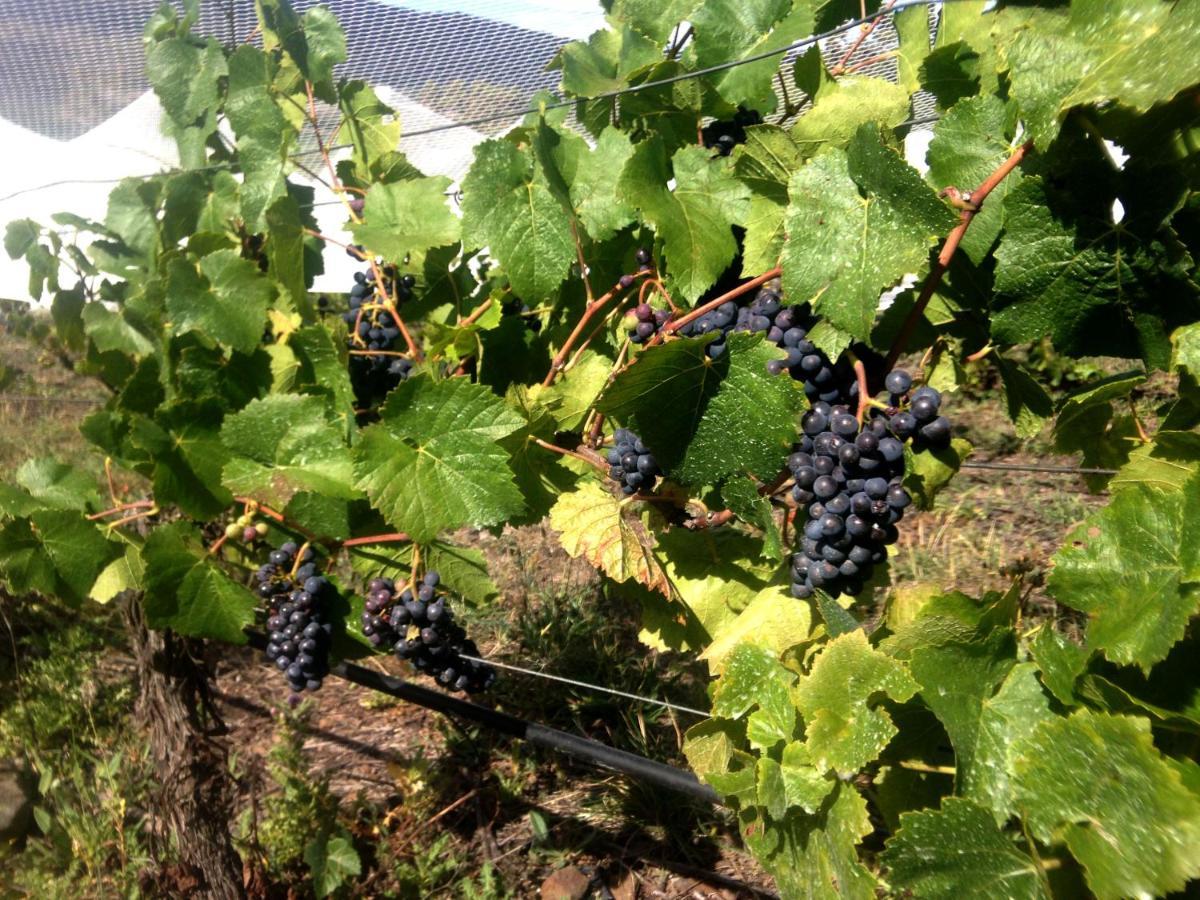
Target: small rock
x,y
626,887
18,792
566,884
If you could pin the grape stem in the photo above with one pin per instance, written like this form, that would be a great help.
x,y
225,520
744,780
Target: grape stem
x,y
974,202
592,308
980,353
675,324
476,313
584,454
716,519
864,393
864,33
583,267
394,537
121,507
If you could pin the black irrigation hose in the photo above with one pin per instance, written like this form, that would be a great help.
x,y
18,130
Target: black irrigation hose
x,y
646,770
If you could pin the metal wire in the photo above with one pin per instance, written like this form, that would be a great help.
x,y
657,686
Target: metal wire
x,y
591,687
1048,470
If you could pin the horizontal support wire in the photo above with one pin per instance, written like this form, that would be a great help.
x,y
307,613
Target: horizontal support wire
x,y
639,767
1033,467
561,104
591,687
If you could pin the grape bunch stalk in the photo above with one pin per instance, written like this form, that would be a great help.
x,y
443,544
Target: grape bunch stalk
x,y
632,466
298,632
375,334
426,634
849,485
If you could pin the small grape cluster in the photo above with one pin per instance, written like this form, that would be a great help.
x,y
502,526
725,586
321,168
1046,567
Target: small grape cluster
x,y
244,528
848,481
726,134
427,635
632,465
644,321
373,329
298,634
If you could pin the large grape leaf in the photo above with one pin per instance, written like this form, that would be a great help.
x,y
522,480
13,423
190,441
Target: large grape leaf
x,y
845,729
433,462
815,855
693,220
186,78
1098,782
605,61
56,552
727,30
601,208
754,679
188,593
705,419
263,131
1134,568
225,299
509,208
593,524
1065,271
858,221
1135,52
958,851
369,124
841,106
406,217
969,142
773,619
764,163
57,484
285,443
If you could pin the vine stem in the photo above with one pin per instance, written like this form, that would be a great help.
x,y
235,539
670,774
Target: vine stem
x,y
864,394
674,325
766,489
980,353
592,308
121,507
394,537
336,182
476,313
583,267
863,34
591,460
934,278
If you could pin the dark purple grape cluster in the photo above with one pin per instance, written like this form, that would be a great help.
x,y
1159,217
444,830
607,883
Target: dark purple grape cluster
x,y
632,465
376,626
297,633
428,637
849,485
375,335
644,321
726,134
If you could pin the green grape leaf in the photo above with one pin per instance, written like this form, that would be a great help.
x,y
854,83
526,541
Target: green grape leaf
x,y
508,207
331,858
958,851
1125,815
187,592
601,208
1136,611
186,78
969,143
369,124
593,524
693,220
755,680
605,61
1060,660
815,855
433,461
1137,53
122,574
56,552
1066,273
772,619
929,471
283,444
263,131
713,572
57,484
845,730
858,221
1028,404
741,495
406,217
840,108
687,407
325,46
226,299
728,30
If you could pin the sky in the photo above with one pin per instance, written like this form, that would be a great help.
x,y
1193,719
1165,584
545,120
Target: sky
x,y
575,19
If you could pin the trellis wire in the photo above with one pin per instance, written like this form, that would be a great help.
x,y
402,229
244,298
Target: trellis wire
x,y
1032,467
587,686
647,770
